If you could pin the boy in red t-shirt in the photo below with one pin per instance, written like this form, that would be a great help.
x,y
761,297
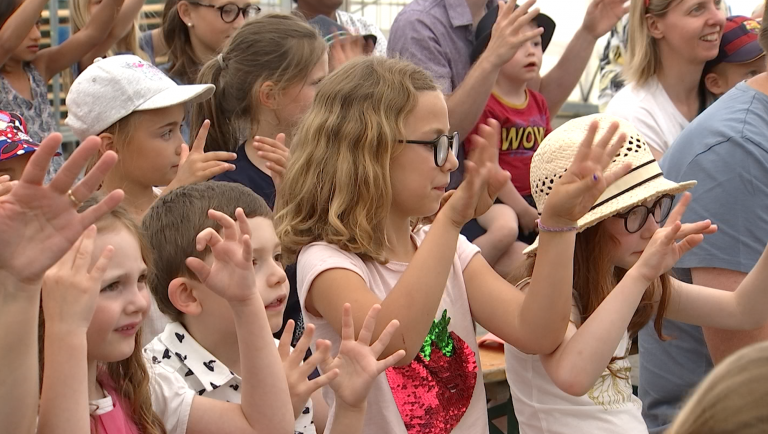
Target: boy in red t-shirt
x,y
510,224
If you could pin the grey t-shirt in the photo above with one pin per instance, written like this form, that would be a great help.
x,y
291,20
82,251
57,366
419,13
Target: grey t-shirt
x,y
725,149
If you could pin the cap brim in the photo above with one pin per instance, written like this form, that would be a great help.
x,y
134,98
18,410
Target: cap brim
x,y
649,190
178,95
745,54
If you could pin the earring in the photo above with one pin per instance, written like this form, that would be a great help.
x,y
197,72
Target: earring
x,y
189,24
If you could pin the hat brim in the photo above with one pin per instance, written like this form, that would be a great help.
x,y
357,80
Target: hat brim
x,y
542,20
178,95
652,189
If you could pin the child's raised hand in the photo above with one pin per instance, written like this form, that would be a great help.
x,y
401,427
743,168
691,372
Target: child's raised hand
x,y
40,222
275,153
71,287
483,178
196,165
344,49
663,251
296,372
507,34
231,275
357,361
582,184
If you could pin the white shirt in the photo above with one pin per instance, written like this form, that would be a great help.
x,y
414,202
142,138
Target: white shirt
x,y
360,25
650,110
443,385
191,367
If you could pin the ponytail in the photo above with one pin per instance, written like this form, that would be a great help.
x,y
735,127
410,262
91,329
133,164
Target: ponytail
x,y
222,136
181,57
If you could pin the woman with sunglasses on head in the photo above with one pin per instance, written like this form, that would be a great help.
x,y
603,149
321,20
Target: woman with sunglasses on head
x,y
621,251
195,32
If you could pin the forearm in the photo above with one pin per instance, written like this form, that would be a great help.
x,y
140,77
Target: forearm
x,y
751,296
548,292
416,296
510,196
265,400
19,378
347,420
120,26
579,362
466,103
18,25
64,406
558,84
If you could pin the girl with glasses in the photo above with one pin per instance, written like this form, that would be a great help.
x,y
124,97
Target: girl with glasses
x,y
370,161
620,252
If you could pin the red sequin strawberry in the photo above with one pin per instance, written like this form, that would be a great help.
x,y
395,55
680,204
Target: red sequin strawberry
x,y
433,392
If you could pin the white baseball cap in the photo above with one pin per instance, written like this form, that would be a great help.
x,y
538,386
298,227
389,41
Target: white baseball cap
x,y
117,86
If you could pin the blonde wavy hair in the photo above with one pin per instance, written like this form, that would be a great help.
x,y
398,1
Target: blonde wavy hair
x,y
337,187
731,399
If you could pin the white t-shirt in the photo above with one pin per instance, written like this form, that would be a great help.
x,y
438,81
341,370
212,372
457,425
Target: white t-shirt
x,y
650,110
426,405
542,408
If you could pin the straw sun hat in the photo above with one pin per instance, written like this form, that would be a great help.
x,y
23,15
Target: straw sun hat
x,y
644,181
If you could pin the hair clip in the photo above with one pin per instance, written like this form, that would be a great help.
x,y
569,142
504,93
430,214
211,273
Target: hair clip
x,y
220,58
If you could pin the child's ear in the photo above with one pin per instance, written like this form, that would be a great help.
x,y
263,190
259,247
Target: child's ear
x,y
107,143
714,84
181,294
184,13
268,95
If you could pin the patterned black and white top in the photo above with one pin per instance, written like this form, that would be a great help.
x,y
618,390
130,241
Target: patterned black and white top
x,y
37,113
176,350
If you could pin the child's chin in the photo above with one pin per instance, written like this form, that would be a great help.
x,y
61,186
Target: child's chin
x,y
275,320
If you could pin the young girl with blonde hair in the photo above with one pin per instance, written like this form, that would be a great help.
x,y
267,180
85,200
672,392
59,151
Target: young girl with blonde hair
x,y
372,156
621,257
669,43
731,399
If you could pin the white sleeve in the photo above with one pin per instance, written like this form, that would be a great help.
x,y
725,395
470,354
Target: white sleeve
x,y
171,398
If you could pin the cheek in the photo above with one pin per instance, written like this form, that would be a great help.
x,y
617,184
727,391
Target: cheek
x,y
103,322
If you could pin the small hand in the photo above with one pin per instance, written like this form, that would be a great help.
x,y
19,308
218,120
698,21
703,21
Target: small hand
x,y
276,154
602,16
483,178
296,372
527,220
40,222
357,361
345,49
506,36
231,275
196,165
581,185
70,289
663,251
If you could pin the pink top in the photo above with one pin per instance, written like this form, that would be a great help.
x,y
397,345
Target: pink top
x,y
108,415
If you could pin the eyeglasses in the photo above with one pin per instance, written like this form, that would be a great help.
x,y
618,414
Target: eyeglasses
x,y
635,218
230,11
441,144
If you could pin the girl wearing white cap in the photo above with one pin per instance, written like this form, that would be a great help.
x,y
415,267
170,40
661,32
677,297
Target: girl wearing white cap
x,y
620,263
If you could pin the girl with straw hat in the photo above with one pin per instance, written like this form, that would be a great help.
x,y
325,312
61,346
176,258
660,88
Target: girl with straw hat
x,y
621,257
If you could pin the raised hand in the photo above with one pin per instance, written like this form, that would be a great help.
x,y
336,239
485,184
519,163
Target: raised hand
x,y
41,223
483,178
6,185
582,184
602,16
506,36
345,49
357,361
231,275
275,153
296,372
663,251
71,287
196,165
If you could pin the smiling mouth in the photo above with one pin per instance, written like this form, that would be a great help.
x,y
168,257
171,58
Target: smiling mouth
x,y
712,37
276,304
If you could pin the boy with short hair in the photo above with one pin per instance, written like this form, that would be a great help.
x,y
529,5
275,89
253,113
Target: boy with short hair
x,y
510,224
740,57
200,344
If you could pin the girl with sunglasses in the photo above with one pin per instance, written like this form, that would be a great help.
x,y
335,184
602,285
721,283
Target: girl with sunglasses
x,y
195,32
370,161
620,253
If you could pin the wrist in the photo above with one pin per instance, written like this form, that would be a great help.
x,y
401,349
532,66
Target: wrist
x,y
247,305
358,408
642,278
443,219
553,222
585,33
488,64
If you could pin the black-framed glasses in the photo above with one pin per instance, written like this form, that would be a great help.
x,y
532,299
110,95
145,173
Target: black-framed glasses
x,y
230,11
442,144
635,218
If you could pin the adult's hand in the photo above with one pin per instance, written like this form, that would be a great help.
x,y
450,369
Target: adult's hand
x,y
602,16
41,222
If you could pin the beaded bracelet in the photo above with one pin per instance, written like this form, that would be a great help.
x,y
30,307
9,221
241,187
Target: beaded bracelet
x,y
543,228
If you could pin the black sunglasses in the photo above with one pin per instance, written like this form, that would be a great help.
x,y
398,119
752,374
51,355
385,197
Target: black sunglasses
x,y
635,218
441,144
230,11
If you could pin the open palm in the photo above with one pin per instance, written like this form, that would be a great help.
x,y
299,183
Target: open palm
x,y
357,361
41,222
